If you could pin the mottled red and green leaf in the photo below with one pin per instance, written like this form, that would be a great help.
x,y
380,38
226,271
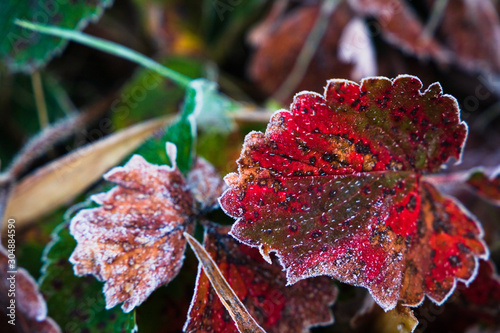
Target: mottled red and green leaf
x,y
487,187
335,187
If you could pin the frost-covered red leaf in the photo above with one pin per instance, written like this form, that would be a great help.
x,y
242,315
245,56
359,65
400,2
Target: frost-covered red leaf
x,y
484,291
262,289
335,187
487,187
134,240
29,311
473,306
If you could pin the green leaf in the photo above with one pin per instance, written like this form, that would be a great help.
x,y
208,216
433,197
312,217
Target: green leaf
x,y
203,105
73,301
148,95
25,50
213,108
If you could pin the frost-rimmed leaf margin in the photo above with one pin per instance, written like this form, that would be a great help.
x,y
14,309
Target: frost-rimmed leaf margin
x,y
484,184
432,164
55,264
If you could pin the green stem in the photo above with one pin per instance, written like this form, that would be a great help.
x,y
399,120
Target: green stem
x,y
109,47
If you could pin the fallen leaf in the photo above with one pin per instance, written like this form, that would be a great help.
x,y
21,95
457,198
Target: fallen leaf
x,y
262,289
334,187
30,310
134,240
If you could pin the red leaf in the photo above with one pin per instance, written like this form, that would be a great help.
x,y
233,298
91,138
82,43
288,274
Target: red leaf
x,y
335,187
487,187
261,287
485,289
474,306
134,240
30,310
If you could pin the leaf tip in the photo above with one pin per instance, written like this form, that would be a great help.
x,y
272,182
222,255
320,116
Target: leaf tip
x,y
265,251
171,150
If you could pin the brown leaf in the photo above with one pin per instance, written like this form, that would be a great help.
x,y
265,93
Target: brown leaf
x,y
472,30
134,240
400,26
29,308
278,50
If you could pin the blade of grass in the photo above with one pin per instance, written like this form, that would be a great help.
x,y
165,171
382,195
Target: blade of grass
x,y
41,106
243,320
109,47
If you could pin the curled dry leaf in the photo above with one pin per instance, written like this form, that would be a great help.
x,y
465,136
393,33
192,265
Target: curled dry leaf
x,y
60,181
30,310
262,289
334,187
134,240
485,186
